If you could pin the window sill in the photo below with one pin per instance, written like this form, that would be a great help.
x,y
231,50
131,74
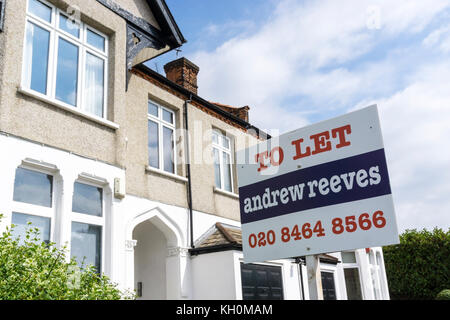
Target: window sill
x,y
226,193
58,104
149,169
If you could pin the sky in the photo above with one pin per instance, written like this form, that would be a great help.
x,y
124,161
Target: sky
x,y
298,62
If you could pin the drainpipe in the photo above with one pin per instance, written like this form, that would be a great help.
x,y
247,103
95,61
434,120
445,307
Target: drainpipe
x,y
188,168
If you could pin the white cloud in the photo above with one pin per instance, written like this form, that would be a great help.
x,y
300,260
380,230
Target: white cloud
x,y
415,123
325,55
285,56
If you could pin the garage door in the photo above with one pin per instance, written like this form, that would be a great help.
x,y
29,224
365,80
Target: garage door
x,y
261,282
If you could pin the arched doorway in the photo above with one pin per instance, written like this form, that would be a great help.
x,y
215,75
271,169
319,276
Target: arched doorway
x,y
155,259
150,262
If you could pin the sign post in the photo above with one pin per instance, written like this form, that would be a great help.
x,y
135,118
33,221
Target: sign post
x,y
319,189
314,277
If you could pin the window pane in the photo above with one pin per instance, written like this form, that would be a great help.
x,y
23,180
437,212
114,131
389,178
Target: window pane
x,y
40,10
86,244
36,58
87,199
353,284
168,148
227,172
152,109
348,257
225,142
69,26
67,72
96,40
94,85
215,137
153,145
217,175
21,220
167,116
33,187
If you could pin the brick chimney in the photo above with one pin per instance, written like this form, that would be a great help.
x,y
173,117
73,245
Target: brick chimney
x,y
184,73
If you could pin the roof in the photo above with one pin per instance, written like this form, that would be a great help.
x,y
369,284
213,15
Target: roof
x,y
221,237
170,31
151,75
240,112
166,21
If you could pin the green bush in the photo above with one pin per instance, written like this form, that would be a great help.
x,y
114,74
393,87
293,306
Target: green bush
x,y
33,270
443,295
419,267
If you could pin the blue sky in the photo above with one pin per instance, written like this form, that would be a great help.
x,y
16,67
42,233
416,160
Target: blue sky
x,y
297,62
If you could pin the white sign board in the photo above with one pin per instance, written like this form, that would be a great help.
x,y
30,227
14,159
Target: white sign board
x,y
322,188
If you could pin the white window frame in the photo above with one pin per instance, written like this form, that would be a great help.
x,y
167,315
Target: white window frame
x,y
375,275
83,49
326,267
354,265
161,124
36,210
90,219
222,149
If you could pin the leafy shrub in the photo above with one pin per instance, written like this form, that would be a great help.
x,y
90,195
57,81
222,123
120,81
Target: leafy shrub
x,y
33,270
419,267
443,295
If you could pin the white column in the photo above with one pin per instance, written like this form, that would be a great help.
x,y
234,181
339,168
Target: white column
x,y
314,277
64,208
129,264
176,273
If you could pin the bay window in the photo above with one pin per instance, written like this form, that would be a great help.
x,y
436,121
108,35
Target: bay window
x,y
64,61
223,170
87,225
161,142
33,203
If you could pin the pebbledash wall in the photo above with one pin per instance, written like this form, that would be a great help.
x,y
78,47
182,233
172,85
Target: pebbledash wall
x,y
146,226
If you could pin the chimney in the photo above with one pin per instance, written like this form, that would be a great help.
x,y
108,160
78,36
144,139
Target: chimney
x,y
184,73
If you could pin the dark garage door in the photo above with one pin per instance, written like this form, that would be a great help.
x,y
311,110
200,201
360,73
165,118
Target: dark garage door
x,y
261,282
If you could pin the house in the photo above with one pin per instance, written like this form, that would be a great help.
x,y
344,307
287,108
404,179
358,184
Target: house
x,y
133,170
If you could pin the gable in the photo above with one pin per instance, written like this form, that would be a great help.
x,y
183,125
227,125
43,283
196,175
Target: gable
x,y
139,9
151,29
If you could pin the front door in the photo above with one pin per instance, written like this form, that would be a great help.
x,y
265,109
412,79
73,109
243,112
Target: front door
x,y
260,282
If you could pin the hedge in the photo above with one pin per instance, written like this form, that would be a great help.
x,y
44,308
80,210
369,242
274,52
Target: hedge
x,y
419,267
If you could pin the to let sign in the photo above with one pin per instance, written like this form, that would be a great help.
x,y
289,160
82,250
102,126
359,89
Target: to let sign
x,y
323,188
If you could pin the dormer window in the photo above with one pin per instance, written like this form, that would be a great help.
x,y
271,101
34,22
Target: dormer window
x,y
64,60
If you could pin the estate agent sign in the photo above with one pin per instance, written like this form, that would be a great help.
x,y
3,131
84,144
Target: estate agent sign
x,y
322,188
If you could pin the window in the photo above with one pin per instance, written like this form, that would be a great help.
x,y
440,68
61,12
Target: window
x,y
64,60
351,274
161,142
87,225
222,161
32,203
328,286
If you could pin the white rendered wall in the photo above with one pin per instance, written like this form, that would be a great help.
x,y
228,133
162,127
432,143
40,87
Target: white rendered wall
x,y
213,276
